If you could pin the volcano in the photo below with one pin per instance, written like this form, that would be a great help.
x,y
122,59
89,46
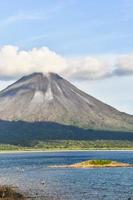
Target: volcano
x,y
48,97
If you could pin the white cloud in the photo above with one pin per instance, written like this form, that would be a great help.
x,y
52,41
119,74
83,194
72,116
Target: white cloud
x,y
87,68
124,64
15,62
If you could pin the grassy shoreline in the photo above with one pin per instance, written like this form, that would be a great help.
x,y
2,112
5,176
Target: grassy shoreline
x,y
69,145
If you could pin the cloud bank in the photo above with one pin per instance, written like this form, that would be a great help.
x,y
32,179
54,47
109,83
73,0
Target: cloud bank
x,y
15,62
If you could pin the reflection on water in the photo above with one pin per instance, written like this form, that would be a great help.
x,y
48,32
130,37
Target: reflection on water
x,y
30,172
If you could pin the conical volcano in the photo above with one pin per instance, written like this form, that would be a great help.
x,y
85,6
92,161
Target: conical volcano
x,y
48,97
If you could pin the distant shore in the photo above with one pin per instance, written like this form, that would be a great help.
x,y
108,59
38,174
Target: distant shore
x,y
63,150
68,146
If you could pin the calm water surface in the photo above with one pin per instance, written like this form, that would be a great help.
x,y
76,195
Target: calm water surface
x,y
31,173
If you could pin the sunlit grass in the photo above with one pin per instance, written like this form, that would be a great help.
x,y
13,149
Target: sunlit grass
x,y
100,162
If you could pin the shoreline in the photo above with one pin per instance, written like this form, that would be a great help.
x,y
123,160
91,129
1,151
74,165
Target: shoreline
x,y
63,150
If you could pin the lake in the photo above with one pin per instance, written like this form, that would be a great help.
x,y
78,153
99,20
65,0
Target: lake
x,y
31,173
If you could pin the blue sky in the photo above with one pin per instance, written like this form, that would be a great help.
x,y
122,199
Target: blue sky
x,y
74,29
70,27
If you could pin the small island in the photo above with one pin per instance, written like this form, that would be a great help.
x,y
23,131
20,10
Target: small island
x,y
96,164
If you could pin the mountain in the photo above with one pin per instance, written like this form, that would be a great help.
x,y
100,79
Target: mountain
x,y
48,97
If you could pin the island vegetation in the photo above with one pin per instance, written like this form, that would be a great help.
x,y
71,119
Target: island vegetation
x,y
100,163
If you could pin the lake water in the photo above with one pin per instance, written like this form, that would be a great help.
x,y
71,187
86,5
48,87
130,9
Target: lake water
x,y
31,172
